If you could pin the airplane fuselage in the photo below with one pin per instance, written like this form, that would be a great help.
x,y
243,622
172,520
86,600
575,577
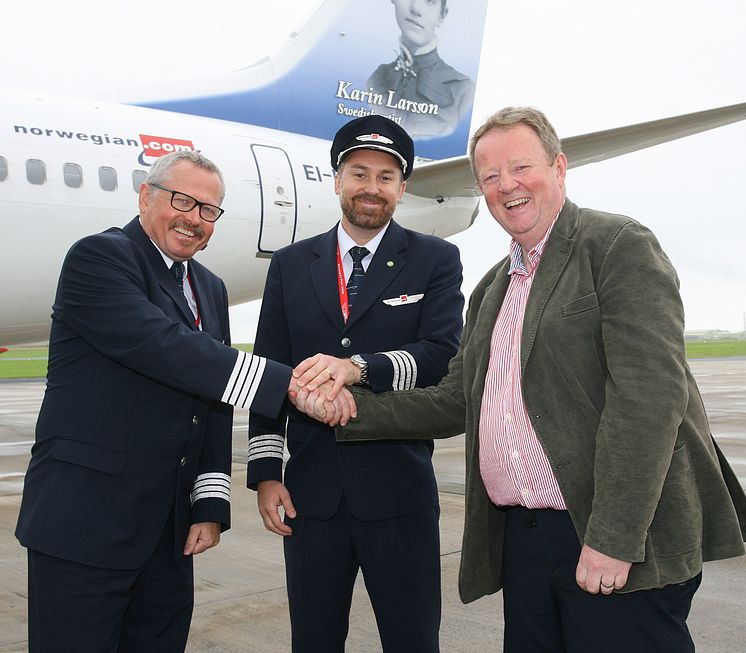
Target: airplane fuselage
x,y
71,167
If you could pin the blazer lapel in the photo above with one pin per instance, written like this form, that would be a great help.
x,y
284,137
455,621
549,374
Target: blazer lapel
x,y
166,280
324,277
387,263
553,261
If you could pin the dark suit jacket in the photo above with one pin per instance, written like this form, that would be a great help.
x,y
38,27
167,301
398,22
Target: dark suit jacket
x,y
130,428
406,345
612,402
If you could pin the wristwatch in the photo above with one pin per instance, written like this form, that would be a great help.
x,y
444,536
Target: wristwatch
x,y
358,360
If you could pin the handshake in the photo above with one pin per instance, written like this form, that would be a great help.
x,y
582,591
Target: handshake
x,y
317,388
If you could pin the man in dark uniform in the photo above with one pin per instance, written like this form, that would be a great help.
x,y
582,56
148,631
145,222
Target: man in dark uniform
x,y
431,97
130,472
384,304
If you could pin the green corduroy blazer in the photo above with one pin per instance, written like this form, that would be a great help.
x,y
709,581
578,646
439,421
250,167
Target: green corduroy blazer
x,y
611,399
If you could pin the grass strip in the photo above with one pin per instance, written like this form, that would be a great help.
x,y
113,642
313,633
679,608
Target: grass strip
x,y
31,362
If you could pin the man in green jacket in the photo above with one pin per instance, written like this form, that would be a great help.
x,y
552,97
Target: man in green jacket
x,y
594,488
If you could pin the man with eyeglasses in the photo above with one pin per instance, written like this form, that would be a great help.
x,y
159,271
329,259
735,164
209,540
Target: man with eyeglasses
x,y
130,473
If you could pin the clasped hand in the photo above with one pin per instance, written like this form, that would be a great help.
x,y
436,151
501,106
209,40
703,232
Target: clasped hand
x,y
317,388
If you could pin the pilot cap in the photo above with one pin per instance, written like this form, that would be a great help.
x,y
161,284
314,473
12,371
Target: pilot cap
x,y
374,132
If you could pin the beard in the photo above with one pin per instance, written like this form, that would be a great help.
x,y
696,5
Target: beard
x,y
371,218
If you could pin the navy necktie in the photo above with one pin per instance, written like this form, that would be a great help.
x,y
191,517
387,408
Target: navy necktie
x,y
358,273
177,269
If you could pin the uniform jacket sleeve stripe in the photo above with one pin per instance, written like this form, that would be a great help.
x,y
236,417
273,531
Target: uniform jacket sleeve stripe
x,y
405,369
210,494
268,445
266,438
232,380
211,485
244,380
252,381
215,476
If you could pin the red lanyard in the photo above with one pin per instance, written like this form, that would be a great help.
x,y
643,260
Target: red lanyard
x,y
343,301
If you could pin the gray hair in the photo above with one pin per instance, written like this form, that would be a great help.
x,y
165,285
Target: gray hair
x,y
160,170
513,116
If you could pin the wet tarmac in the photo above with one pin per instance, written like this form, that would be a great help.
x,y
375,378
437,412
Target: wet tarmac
x,y
240,601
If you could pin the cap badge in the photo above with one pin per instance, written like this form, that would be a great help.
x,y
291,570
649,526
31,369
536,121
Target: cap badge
x,y
375,137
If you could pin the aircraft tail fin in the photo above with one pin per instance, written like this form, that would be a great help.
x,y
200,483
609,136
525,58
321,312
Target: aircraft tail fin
x,y
415,62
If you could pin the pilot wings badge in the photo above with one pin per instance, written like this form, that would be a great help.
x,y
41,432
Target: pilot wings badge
x,y
404,299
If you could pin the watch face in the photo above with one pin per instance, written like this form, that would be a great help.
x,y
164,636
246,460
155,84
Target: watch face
x,y
358,360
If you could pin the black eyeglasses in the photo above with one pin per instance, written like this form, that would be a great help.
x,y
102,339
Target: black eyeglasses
x,y
185,203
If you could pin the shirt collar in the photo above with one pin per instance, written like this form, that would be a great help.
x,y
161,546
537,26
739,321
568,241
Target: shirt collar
x,y
534,254
346,243
168,261
424,49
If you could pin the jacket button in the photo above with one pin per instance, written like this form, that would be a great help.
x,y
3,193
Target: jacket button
x,y
346,342
195,420
183,462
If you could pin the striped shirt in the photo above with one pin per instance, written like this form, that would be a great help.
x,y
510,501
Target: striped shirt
x,y
514,467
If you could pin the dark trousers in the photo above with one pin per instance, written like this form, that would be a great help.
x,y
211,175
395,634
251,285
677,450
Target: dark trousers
x,y
76,608
546,612
400,561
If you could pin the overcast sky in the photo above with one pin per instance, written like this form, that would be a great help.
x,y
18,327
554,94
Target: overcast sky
x,y
587,65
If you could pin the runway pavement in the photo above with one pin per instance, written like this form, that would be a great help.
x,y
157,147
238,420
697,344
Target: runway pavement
x,y
240,597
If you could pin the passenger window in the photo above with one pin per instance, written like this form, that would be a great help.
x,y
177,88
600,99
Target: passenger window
x,y
3,168
36,171
73,174
138,177
107,178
